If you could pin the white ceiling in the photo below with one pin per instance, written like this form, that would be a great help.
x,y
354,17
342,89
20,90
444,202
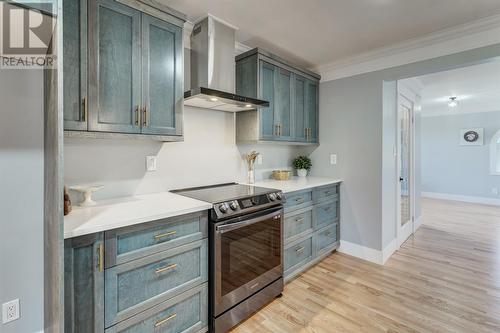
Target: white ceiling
x,y
318,32
476,87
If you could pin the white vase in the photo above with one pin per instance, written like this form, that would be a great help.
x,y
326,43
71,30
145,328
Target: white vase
x,y
302,172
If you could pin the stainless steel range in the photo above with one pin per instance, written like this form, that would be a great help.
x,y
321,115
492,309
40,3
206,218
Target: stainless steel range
x,y
246,250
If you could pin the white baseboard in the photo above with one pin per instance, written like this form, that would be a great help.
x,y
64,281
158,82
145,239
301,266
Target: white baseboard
x,y
418,222
367,253
405,232
389,250
463,198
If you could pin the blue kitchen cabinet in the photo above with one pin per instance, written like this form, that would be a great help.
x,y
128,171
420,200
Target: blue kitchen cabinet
x,y
75,100
162,71
84,284
132,82
292,92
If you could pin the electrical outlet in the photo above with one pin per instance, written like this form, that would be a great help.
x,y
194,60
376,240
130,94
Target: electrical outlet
x,y
494,191
151,163
333,159
10,311
259,159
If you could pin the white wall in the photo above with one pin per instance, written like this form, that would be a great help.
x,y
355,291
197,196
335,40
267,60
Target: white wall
x,y
449,168
21,196
209,155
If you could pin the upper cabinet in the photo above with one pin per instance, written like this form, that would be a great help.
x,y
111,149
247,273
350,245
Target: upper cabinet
x,y
293,94
132,81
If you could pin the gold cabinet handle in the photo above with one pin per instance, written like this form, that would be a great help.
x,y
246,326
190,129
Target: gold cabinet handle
x,y
299,199
166,268
85,109
164,320
300,250
145,116
101,257
300,220
276,130
137,116
167,234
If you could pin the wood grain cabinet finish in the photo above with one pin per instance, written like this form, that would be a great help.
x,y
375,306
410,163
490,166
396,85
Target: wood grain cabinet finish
x,y
130,243
135,70
186,313
75,99
140,284
84,284
312,228
292,92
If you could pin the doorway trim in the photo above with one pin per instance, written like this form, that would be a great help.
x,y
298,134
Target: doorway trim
x,y
406,96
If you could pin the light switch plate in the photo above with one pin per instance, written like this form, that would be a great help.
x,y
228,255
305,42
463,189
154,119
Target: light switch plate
x,y
151,163
10,311
259,159
333,159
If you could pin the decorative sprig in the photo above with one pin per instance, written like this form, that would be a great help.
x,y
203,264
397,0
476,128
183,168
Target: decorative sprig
x,y
250,158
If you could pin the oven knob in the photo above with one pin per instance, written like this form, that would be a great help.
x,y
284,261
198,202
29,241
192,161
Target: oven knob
x,y
272,196
223,207
233,205
279,196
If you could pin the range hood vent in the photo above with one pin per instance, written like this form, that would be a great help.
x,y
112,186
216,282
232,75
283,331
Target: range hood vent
x,y
213,69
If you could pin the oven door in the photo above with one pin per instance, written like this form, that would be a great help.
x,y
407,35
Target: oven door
x,y
247,257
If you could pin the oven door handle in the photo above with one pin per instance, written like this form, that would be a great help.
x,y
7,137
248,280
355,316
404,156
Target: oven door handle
x,y
232,226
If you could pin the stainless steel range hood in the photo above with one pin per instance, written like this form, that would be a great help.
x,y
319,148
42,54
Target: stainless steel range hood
x,y
213,69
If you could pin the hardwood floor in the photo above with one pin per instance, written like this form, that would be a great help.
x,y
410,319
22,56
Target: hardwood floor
x,y
445,279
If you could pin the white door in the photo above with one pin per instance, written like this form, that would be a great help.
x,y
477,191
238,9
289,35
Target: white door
x,y
405,170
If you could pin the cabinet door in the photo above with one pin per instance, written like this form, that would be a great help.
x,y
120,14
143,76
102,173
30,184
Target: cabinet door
x,y
163,76
283,112
114,67
312,110
268,76
84,284
299,108
75,101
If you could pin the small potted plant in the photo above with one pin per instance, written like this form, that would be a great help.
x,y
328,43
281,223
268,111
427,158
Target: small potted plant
x,y
302,164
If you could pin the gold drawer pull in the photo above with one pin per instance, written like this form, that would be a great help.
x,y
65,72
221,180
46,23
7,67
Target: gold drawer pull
x,y
328,233
299,220
300,250
166,268
164,320
299,199
170,233
101,257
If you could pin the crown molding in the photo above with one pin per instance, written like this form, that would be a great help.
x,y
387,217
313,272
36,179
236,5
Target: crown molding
x,y
457,39
241,48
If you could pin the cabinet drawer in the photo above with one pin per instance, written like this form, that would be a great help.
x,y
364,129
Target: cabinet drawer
x,y
186,313
130,243
325,193
298,223
298,254
325,238
325,214
135,286
298,200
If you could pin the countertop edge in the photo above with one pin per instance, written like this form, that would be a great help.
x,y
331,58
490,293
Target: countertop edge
x,y
293,186
128,223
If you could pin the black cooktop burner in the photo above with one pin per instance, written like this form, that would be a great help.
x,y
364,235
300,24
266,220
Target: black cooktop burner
x,y
223,192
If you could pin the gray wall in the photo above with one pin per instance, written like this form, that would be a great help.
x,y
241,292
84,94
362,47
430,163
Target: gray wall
x,y
352,124
450,168
21,197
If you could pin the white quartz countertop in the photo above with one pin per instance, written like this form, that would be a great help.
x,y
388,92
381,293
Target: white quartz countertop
x,y
122,212
296,183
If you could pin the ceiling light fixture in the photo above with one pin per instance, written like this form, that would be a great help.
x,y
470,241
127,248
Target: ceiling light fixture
x,y
453,103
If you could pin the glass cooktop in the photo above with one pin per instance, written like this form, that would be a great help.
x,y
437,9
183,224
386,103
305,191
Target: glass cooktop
x,y
223,192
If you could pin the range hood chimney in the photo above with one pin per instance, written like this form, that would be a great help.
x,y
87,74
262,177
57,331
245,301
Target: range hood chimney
x,y
213,69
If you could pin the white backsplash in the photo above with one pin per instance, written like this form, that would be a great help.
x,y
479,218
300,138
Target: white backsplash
x,y
209,155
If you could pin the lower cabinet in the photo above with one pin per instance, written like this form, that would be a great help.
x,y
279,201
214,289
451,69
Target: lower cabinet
x,y
311,227
144,278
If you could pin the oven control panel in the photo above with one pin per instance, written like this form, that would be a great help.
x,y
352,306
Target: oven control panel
x,y
247,205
